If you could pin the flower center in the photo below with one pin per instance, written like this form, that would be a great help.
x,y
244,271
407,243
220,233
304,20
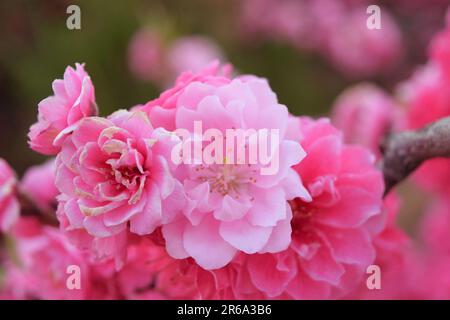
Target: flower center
x,y
302,213
126,176
227,179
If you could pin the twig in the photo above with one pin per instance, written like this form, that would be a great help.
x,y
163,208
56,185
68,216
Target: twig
x,y
403,152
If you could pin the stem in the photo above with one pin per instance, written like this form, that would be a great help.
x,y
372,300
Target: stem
x,y
403,152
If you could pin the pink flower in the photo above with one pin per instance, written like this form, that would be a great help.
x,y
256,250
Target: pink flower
x,y
150,273
231,207
162,109
38,184
394,256
73,99
435,227
433,281
365,114
114,176
40,268
427,97
440,48
193,54
9,205
339,35
359,51
333,235
145,56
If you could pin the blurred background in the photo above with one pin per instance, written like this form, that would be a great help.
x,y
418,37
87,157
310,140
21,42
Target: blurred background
x,y
310,50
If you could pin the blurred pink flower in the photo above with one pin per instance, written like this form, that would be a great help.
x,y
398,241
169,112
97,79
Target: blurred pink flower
x,y
222,220
440,49
334,29
433,279
433,282
9,205
146,56
359,51
333,235
427,98
192,53
365,114
38,184
73,99
40,271
436,226
114,176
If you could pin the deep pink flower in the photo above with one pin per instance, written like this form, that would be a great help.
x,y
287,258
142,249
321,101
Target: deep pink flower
x,y
38,184
73,99
115,175
365,114
333,235
150,273
433,281
9,205
231,207
395,257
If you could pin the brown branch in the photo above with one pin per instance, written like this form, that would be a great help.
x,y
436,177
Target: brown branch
x,y
403,152
30,208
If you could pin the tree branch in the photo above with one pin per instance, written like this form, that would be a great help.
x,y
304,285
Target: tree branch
x,y
403,152
30,208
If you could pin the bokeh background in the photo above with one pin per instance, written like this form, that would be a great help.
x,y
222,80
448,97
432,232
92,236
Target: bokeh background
x,y
36,46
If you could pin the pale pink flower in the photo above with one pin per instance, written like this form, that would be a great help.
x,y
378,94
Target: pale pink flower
x,y
9,205
243,210
73,99
115,176
162,109
38,184
192,53
366,114
145,56
333,235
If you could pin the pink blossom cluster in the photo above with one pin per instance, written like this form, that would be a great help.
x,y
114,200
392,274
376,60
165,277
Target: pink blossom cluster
x,y
427,98
141,226
114,216
334,29
367,114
